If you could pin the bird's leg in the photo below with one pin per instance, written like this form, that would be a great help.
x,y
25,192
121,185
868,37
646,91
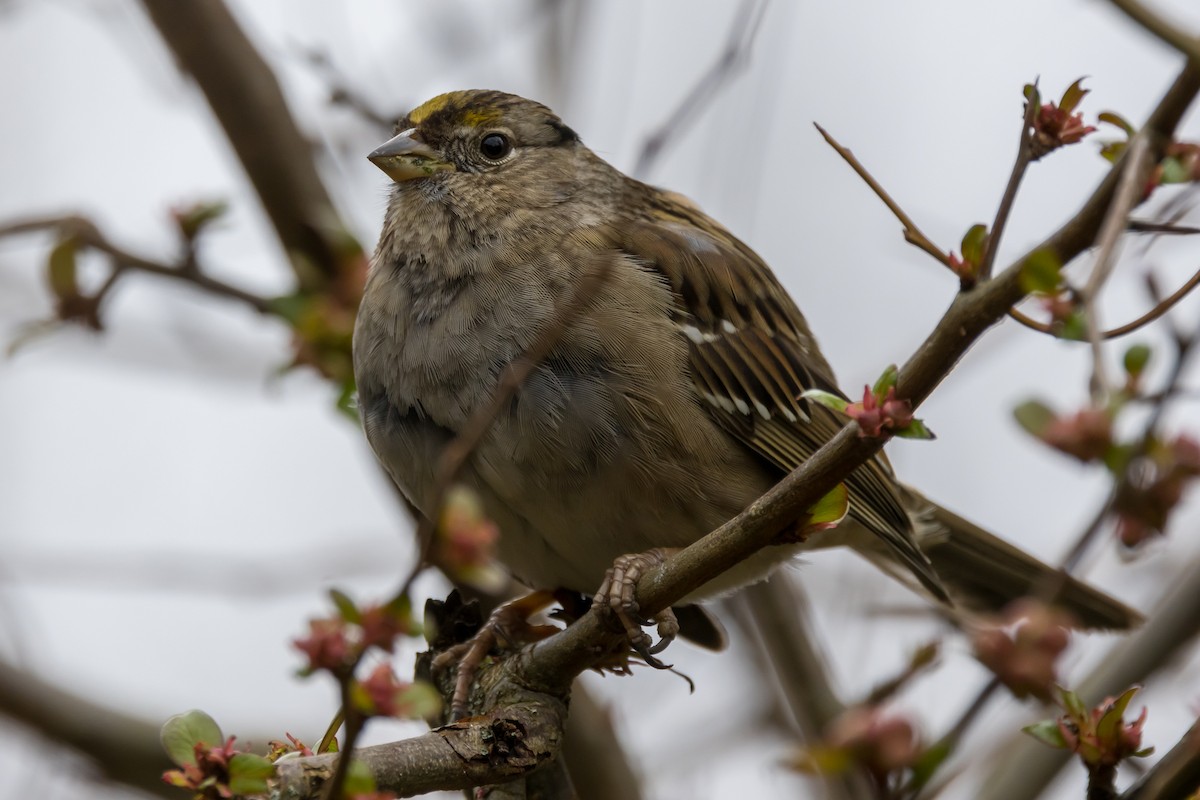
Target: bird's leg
x,y
617,594
507,626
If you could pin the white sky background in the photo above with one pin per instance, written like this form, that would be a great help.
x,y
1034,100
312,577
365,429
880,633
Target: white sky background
x,y
170,513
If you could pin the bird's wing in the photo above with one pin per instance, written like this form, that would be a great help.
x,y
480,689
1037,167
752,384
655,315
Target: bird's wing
x,y
752,356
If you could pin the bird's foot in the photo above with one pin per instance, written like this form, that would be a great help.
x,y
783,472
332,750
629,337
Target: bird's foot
x,y
508,627
617,594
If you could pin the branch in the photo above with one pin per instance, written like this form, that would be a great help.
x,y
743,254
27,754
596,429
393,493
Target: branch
x,y
1028,766
741,38
248,103
1022,162
122,748
912,234
1160,27
86,232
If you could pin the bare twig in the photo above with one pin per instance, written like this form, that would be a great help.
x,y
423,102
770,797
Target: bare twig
x,y
1160,308
912,234
1170,33
248,103
1022,162
731,60
1129,190
86,232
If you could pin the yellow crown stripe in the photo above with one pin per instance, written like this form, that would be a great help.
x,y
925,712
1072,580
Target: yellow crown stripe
x,y
467,116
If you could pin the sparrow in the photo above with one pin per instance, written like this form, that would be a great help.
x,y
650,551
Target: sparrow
x,y
671,398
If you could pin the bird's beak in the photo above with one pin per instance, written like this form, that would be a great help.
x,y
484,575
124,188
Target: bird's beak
x,y
404,158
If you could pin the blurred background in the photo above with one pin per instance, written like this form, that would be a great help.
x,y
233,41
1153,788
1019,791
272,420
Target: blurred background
x,y
173,505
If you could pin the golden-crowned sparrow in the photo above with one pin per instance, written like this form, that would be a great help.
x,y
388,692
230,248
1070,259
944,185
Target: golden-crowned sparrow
x,y
669,402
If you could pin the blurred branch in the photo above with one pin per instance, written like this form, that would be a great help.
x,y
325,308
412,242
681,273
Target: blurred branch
x,y
122,748
1027,767
1175,776
776,618
592,752
248,103
732,59
1154,313
186,270
1158,26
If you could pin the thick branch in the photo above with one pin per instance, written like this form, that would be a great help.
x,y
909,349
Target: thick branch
x,y
122,748
247,101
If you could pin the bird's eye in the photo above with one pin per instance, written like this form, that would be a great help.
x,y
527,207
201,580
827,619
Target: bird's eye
x,y
495,146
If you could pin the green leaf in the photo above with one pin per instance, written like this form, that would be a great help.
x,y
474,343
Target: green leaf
x,y
1041,272
1073,95
1113,118
1136,359
829,510
974,242
292,307
885,381
1034,416
359,779
915,430
61,268
1032,94
347,401
829,399
422,700
1048,733
345,606
248,773
193,220
1073,704
1110,723
181,733
1145,751
1175,171
1112,151
1074,327
1116,458
928,763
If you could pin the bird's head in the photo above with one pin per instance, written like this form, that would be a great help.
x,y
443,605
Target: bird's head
x,y
477,136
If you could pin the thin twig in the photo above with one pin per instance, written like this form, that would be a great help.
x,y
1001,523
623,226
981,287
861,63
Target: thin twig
x,y
912,234
1023,160
87,233
1154,313
1168,32
1129,189
732,58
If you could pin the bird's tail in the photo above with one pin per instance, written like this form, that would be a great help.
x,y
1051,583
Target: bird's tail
x,y
985,573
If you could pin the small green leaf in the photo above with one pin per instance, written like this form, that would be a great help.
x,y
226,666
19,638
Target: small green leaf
x,y
829,399
974,242
1110,723
292,307
345,606
829,510
1041,272
1073,704
347,401
1047,732
928,763
1112,151
1145,751
1175,171
61,268
1034,416
1113,118
1032,94
915,430
1074,327
1073,95
1136,359
359,779
886,381
248,773
421,700
193,220
181,733
1116,458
